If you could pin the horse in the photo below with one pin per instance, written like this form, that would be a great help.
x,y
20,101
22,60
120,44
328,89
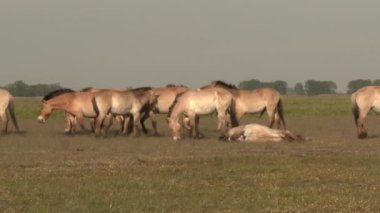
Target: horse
x,y
77,105
261,133
7,103
125,103
363,101
199,102
255,101
166,97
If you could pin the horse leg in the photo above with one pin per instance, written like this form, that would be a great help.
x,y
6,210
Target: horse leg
x,y
136,119
153,119
99,125
142,120
277,120
4,118
191,124
69,124
198,134
271,111
108,120
92,124
362,132
80,121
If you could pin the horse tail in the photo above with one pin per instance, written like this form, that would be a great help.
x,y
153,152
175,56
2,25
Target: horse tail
x,y
355,108
11,109
280,111
95,106
232,113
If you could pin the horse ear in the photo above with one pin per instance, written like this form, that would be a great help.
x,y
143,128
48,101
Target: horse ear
x,y
43,101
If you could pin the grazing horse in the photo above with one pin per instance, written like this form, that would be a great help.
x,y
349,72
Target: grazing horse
x,y
199,102
77,105
260,133
125,103
6,102
363,101
166,98
255,101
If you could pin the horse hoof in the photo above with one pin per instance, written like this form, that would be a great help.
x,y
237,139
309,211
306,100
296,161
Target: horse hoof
x,y
362,135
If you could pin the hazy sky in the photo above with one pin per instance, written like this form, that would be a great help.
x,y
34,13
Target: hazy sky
x,y
121,43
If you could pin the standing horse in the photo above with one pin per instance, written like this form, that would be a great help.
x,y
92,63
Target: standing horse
x,y
125,103
363,101
260,133
6,102
199,102
77,105
255,101
166,98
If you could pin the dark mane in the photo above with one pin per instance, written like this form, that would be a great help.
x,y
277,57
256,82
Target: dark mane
x,y
141,89
174,103
86,89
224,84
174,85
56,93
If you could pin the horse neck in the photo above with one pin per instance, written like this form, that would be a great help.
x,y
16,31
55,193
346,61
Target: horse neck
x,y
59,102
143,97
176,112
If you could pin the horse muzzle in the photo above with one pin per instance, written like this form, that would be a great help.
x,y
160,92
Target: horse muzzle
x,y
41,119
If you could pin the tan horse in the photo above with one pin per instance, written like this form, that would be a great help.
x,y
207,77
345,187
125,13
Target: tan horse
x,y
77,105
260,133
199,102
6,102
166,97
126,103
255,101
363,101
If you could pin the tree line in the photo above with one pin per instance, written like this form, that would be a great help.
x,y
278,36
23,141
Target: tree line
x,y
21,89
310,87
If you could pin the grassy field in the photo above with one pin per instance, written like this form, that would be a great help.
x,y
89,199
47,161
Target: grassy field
x,y
43,170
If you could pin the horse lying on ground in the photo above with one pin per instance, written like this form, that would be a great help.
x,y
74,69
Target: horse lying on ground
x,y
260,133
7,103
363,101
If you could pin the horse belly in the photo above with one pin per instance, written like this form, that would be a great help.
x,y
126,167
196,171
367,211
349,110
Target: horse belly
x,y
202,108
121,108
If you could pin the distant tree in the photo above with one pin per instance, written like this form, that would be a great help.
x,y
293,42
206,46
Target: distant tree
x,y
313,87
250,84
20,88
376,82
280,86
298,89
354,85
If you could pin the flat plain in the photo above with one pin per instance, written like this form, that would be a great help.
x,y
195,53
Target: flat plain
x,y
44,170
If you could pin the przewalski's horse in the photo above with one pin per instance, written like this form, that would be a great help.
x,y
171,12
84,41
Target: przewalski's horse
x,y
166,97
125,103
7,103
260,133
77,105
363,101
255,101
193,103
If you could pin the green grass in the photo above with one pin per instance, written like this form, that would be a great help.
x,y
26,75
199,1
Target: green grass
x,y
44,170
